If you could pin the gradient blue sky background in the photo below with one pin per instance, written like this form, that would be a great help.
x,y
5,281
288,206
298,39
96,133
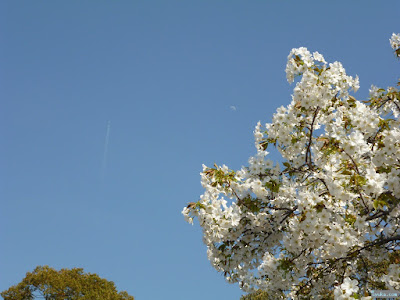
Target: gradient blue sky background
x,y
165,74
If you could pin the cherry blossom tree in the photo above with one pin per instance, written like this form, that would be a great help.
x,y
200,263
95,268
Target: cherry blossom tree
x,y
324,222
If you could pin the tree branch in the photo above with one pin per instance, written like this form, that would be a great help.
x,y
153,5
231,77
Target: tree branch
x,y
308,151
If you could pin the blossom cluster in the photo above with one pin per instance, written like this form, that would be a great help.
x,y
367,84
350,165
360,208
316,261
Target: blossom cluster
x,y
392,279
395,43
346,289
325,221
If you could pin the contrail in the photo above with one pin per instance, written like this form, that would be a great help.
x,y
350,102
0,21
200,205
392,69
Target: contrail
x,y
104,164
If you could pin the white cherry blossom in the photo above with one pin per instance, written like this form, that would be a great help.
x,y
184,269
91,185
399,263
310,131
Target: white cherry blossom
x,y
311,224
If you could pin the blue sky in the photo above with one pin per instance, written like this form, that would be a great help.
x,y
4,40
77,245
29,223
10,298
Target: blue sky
x,y
165,75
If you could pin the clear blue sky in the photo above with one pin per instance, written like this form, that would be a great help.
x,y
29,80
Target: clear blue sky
x,y
165,74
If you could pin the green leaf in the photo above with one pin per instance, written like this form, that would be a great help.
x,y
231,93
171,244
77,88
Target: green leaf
x,y
379,204
350,219
320,206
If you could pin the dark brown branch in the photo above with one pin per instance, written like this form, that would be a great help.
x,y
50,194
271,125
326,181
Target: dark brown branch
x,y
352,160
378,214
395,103
308,151
358,172
382,242
237,197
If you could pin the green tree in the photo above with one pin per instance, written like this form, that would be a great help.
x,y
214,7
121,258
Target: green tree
x,y
259,295
47,283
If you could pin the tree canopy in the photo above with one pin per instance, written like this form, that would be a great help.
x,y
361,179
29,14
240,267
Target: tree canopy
x,y
47,283
324,222
258,295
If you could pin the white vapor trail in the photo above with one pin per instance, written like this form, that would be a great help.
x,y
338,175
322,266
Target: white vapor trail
x,y
104,163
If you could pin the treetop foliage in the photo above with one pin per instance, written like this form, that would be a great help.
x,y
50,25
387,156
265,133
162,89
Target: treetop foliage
x,y
47,283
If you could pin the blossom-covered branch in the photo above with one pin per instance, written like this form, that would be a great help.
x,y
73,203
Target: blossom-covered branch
x,y
310,225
